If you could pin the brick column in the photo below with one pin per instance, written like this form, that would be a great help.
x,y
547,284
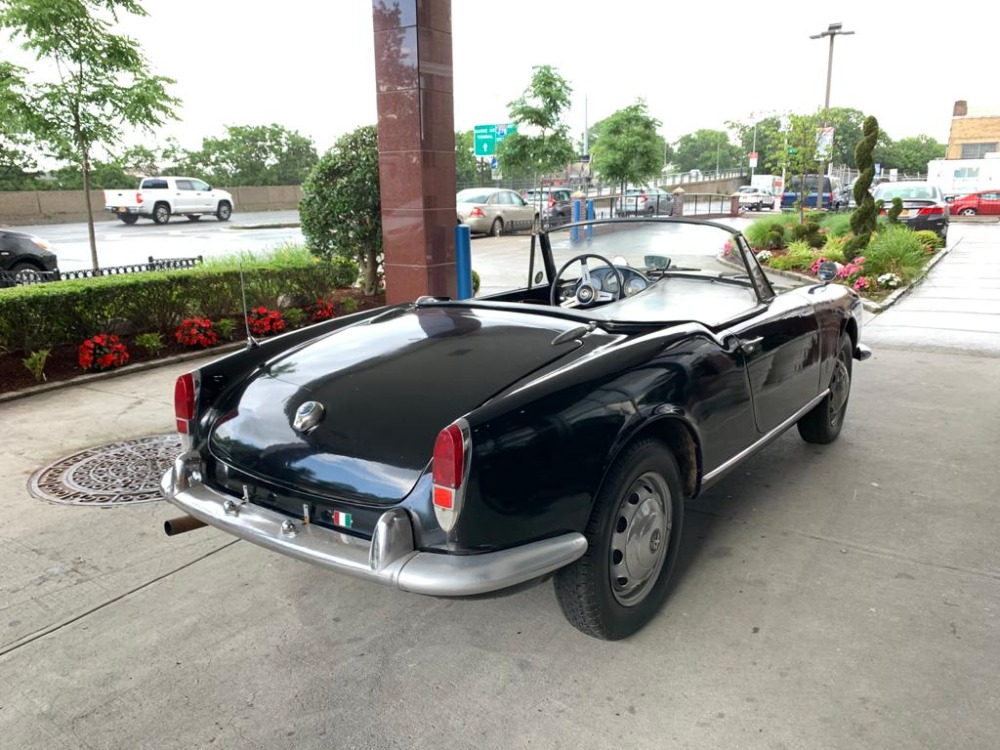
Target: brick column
x,y
416,144
677,209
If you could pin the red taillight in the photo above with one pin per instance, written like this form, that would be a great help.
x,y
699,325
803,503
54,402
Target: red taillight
x,y
449,457
138,197
184,398
476,211
931,211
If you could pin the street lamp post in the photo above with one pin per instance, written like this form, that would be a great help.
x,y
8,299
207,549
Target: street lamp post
x,y
834,30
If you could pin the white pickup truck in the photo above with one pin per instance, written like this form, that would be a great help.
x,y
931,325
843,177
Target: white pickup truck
x,y
159,198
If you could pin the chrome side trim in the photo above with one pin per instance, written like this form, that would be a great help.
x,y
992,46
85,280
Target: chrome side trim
x,y
717,472
388,559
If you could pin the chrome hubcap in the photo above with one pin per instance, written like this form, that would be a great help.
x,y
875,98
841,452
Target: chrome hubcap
x,y
840,388
640,538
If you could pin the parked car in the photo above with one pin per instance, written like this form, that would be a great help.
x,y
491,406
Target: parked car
x,y
556,204
924,206
459,447
494,211
983,203
834,196
159,198
25,259
753,198
649,201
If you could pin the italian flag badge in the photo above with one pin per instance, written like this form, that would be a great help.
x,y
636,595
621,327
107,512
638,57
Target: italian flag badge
x,y
341,519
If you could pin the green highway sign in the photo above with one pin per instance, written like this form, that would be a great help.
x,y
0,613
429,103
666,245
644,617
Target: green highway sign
x,y
487,136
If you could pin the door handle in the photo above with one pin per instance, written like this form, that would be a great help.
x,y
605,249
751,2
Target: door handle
x,y
750,347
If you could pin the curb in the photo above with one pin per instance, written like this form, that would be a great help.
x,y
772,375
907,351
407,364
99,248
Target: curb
x,y
127,370
275,225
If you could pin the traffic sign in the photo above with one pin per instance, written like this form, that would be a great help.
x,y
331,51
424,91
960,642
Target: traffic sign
x,y
753,158
487,137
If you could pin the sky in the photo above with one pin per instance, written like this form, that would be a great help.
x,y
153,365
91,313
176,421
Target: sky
x,y
309,66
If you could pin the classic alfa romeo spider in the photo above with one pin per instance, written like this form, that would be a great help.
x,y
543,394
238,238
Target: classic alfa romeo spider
x,y
458,448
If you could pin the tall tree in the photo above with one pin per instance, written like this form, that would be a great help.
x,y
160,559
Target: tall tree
x,y
541,144
705,150
102,79
846,124
15,155
911,155
628,148
341,206
254,155
763,135
466,163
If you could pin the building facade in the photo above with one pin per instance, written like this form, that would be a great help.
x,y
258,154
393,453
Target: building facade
x,y
975,132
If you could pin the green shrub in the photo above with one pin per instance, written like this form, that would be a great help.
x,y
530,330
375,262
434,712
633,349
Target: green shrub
x,y
799,257
834,249
475,283
808,233
930,239
348,305
836,225
150,342
47,315
226,327
294,316
898,250
35,363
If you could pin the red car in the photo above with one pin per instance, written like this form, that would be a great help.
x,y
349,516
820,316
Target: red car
x,y
986,203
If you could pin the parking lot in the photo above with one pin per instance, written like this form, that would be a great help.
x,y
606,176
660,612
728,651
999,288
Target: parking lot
x,y
845,596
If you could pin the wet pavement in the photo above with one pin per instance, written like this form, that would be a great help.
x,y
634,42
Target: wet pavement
x,y
958,305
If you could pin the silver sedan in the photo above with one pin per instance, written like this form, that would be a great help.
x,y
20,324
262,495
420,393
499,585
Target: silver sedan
x,y
494,211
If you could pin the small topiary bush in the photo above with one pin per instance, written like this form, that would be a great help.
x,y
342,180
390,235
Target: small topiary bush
x,y
930,239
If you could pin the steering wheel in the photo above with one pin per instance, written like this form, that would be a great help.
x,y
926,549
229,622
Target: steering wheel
x,y
585,294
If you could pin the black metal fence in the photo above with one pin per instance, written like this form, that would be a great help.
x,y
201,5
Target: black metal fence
x,y
24,277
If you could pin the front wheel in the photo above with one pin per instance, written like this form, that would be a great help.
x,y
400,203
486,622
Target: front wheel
x,y
823,422
224,211
129,218
161,213
633,537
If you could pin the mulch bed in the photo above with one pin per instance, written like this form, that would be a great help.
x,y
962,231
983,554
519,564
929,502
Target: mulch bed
x,y
62,362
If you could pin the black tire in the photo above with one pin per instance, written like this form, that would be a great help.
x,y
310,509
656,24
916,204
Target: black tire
x,y
129,218
26,273
967,212
823,423
224,211
194,217
161,213
633,537
496,228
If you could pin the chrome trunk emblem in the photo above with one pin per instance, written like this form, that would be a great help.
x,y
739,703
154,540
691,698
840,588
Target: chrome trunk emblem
x,y
307,416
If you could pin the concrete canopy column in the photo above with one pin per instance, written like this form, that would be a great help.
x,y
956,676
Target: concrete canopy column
x,y
416,143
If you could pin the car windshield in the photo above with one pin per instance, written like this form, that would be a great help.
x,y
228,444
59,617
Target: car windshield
x,y
671,270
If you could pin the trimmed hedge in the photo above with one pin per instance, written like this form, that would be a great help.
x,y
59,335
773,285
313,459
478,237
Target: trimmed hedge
x,y
64,312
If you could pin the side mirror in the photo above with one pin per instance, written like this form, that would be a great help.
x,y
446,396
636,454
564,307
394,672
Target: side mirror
x,y
208,189
827,270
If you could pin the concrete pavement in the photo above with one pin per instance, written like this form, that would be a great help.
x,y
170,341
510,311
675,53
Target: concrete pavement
x,y
845,596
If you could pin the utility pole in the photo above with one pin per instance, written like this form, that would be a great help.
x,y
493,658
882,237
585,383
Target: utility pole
x,y
834,30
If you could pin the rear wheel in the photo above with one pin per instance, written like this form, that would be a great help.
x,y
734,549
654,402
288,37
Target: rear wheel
x,y
968,212
496,229
224,211
633,537
161,213
822,424
129,218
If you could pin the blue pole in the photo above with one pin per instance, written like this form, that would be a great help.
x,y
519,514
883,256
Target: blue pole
x,y
463,260
574,233
590,217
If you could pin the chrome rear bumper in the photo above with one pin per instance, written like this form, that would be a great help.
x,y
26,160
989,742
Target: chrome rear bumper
x,y
389,558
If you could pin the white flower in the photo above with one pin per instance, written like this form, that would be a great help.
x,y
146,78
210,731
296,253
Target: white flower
x,y
890,280
764,255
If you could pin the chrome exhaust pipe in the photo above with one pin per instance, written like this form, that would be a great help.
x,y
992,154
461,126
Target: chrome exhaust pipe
x,y
179,525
